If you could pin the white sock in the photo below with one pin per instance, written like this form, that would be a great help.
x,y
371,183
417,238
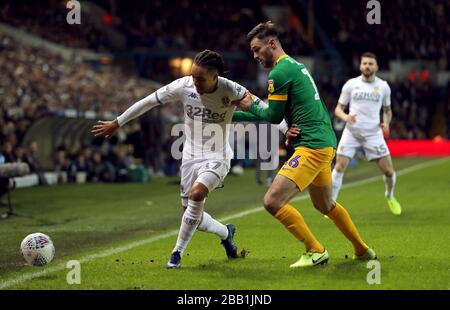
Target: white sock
x,y
337,178
189,223
390,184
208,224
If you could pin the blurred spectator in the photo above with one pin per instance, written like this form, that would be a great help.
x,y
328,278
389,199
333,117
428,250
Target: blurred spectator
x,y
62,164
7,152
6,185
103,170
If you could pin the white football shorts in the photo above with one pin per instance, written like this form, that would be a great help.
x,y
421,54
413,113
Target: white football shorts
x,y
209,172
372,143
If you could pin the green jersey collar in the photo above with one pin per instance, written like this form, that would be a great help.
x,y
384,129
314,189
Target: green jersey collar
x,y
281,58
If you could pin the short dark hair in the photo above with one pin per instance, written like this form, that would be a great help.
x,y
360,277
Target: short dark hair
x,y
369,55
262,31
210,60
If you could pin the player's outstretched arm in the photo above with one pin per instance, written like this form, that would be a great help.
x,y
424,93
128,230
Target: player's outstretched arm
x,y
108,128
105,128
273,113
242,116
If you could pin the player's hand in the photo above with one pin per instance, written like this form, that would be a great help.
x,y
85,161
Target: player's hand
x,y
105,128
350,119
245,102
293,132
385,129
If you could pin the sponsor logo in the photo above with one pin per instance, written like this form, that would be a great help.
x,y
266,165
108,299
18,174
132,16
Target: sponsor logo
x,y
205,114
366,96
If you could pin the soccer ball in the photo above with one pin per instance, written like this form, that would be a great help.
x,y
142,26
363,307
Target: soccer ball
x,y
37,249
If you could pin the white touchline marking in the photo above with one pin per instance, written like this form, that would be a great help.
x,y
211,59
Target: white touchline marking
x,y
112,251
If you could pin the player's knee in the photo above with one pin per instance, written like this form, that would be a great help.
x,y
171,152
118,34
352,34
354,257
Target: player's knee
x,y
329,208
271,204
324,207
198,193
340,167
389,173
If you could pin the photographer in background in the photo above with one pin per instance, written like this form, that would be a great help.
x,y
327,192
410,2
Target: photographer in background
x,y
6,183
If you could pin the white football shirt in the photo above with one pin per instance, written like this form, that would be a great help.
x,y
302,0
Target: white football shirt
x,y
365,100
206,116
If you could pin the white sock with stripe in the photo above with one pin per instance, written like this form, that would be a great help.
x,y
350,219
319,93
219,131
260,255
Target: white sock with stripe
x,y
390,185
189,223
208,224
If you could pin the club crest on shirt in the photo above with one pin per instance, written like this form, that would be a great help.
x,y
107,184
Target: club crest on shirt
x,y
271,87
225,101
376,89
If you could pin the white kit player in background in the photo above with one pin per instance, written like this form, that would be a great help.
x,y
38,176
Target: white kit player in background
x,y
207,104
365,95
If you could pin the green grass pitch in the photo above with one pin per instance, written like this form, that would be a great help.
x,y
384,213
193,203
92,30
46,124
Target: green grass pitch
x,y
123,235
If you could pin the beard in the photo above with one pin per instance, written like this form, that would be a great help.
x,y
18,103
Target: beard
x,y
367,73
268,64
267,60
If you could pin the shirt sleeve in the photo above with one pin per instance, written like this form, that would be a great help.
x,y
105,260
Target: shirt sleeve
x,y
346,93
171,92
235,90
138,108
241,116
283,127
278,87
387,96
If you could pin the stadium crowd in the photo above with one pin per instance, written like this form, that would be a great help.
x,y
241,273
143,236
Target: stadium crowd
x,y
420,32
36,82
413,29
47,19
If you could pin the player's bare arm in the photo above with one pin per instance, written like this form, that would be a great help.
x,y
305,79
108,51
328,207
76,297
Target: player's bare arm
x,y
339,112
108,128
387,117
105,128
